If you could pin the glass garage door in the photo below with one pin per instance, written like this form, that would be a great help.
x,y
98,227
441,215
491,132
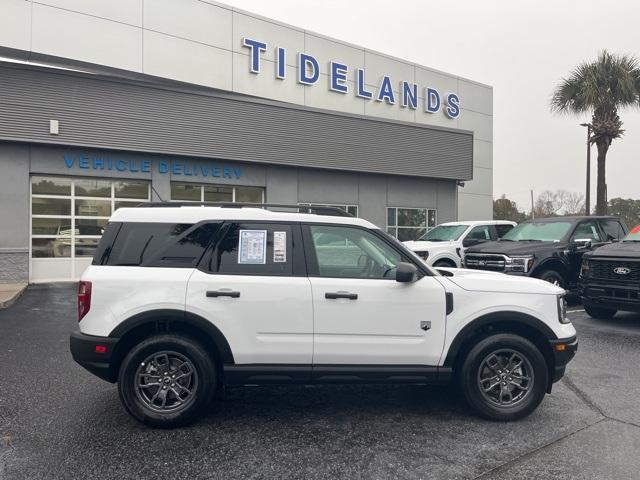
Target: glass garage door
x,y
68,216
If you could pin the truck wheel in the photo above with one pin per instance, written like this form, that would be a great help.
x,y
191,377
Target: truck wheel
x,y
444,263
601,313
504,377
166,381
552,276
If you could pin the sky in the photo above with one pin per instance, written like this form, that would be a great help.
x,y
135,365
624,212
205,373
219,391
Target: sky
x,y
523,49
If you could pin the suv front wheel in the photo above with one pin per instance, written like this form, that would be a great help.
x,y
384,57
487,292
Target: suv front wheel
x,y
504,377
167,380
601,313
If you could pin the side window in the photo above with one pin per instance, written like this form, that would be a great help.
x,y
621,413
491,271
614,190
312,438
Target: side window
x,y
479,234
587,231
501,230
347,252
612,229
254,249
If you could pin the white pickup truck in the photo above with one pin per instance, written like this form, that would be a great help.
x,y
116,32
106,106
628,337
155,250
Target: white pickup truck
x,y
444,246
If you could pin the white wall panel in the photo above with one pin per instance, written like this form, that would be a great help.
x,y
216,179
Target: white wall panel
x,y
190,19
266,84
125,11
482,154
479,123
15,24
82,37
378,65
476,97
326,50
179,59
475,207
320,96
274,35
393,112
482,182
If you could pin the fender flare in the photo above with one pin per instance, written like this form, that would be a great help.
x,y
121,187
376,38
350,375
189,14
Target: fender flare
x,y
510,317
162,321
445,256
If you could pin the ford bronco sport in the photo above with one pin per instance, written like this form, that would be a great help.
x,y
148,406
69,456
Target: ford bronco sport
x,y
182,300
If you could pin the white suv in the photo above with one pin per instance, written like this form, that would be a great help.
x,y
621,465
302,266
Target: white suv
x,y
181,300
444,246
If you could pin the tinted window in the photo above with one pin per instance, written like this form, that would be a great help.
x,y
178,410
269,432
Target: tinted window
x,y
347,252
443,233
480,232
106,243
254,249
539,231
502,229
155,245
587,231
612,229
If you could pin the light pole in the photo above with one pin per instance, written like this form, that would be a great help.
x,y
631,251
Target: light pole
x,y
587,200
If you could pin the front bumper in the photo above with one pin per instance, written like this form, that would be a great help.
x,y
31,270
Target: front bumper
x,y
564,350
609,295
97,360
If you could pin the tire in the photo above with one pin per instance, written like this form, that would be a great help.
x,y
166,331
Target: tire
x,y
552,276
476,374
601,313
188,392
444,263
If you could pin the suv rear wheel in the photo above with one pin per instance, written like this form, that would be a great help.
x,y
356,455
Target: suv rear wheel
x,y
504,377
444,263
600,313
167,380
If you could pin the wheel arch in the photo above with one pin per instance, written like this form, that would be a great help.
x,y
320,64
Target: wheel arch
x,y
552,264
517,323
144,324
446,257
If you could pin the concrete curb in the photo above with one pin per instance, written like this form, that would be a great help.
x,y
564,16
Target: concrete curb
x,y
10,292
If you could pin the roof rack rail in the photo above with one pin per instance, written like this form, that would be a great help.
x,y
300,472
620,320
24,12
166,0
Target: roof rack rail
x,y
312,209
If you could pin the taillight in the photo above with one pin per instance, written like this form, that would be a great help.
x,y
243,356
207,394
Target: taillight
x,y
84,298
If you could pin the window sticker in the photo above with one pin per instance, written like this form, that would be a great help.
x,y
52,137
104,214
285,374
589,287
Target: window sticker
x,y
279,247
252,247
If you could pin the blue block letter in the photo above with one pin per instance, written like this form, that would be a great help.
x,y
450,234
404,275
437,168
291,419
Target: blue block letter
x,y
305,61
256,48
338,74
409,95
360,90
386,92
453,106
431,100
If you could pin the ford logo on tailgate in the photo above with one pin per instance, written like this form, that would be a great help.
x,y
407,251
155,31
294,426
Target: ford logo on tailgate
x,y
622,270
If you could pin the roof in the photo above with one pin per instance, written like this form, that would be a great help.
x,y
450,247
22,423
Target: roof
x,y
195,214
480,222
575,218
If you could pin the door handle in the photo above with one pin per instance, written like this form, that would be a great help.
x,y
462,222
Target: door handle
x,y
334,295
223,293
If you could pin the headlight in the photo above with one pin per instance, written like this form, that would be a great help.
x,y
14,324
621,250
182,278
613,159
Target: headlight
x,y
585,268
422,255
562,309
519,264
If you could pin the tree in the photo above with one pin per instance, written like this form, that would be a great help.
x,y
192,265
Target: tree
x,y
505,209
627,209
601,88
560,202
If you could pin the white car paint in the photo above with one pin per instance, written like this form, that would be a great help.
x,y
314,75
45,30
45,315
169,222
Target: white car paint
x,y
451,251
288,320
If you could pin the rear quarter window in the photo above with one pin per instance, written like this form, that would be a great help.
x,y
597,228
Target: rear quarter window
x,y
155,244
502,229
613,229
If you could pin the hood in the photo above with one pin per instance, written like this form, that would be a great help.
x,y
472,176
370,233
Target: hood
x,y
484,281
421,246
617,250
515,248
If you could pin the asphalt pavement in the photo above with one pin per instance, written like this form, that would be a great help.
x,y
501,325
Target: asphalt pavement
x,y
58,421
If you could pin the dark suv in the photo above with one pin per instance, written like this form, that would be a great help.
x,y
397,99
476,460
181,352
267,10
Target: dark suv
x,y
547,248
610,278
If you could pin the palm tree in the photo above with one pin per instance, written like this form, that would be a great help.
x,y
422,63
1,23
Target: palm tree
x,y
601,88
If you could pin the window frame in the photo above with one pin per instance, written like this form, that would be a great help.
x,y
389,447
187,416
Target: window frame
x,y
602,222
344,206
601,233
202,185
299,264
313,268
427,228
72,217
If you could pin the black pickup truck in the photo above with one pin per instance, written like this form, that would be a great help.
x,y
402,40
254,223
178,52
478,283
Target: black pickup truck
x,y
610,278
547,248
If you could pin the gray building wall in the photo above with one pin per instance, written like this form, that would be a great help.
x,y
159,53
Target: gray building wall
x,y
371,192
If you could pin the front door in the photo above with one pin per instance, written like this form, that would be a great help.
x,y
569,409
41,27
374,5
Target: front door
x,y
253,292
362,316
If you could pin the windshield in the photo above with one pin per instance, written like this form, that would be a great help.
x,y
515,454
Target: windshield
x,y
538,232
634,235
443,233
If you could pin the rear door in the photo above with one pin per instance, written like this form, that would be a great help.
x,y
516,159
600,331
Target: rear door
x,y
254,289
362,315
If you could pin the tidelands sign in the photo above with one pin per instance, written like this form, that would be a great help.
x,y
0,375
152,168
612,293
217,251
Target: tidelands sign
x,y
308,73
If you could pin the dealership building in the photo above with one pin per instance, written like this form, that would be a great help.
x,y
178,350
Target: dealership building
x,y
107,104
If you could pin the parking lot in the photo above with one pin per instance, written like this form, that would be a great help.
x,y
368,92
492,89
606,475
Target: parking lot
x,y
58,421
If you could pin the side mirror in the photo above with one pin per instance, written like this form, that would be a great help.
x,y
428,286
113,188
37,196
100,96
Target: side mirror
x,y
582,243
406,272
